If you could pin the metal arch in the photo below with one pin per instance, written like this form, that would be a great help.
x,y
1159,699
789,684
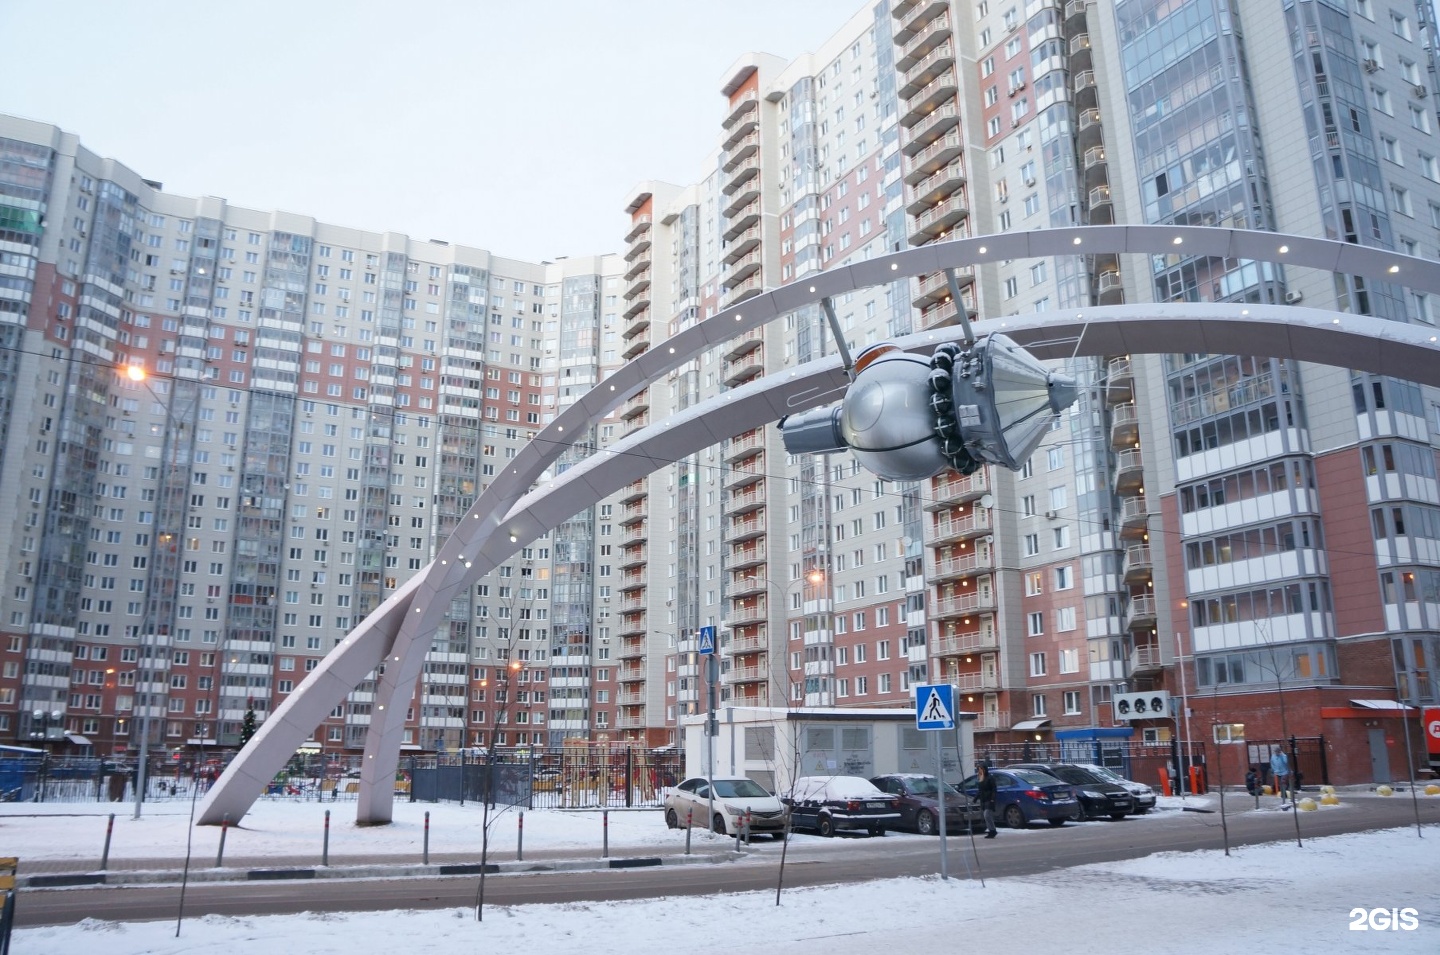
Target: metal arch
x,y
397,633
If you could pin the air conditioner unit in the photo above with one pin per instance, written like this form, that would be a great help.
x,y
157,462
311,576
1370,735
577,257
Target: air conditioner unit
x,y
1294,297
1005,198
1420,91
1030,181
1371,66
1050,515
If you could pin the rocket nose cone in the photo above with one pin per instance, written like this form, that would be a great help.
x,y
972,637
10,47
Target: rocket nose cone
x,y
1062,391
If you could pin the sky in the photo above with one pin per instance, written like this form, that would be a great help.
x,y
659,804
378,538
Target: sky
x,y
1272,897
516,127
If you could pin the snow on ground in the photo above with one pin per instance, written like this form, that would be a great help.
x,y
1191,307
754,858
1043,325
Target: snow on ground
x,y
1276,895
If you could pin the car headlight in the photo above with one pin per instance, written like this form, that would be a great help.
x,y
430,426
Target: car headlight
x,y
1091,794
733,810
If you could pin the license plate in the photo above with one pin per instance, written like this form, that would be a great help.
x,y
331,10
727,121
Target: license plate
x,y
875,805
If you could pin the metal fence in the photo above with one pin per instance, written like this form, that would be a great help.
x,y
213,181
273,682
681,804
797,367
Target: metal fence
x,y
570,778
1143,762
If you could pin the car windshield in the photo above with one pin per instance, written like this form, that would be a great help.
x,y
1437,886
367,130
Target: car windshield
x,y
739,789
926,786
1105,774
1072,774
1034,777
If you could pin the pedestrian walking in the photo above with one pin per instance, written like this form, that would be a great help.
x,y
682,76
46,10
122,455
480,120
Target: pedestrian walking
x,y
986,794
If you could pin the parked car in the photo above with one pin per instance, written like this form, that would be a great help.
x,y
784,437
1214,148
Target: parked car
x,y
829,804
1094,797
733,797
919,804
1023,796
1143,795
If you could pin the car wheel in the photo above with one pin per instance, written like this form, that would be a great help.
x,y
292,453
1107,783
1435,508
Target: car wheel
x,y
1057,823
1141,812
826,826
1078,813
718,824
672,821
925,823
1014,816
876,831
1117,816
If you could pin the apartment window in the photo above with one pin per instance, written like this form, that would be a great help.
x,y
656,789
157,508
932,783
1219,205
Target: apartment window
x,y
1400,201
1399,25
882,649
1061,536
1037,664
1032,545
1064,578
992,127
1034,584
1390,149
1070,661
1429,168
1072,702
1382,100
1420,119
1064,619
1059,497
1012,287
1035,623
1027,505
1037,704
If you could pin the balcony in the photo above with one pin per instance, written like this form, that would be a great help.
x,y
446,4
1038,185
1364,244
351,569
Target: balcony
x,y
935,287
747,289
977,641
1119,381
743,177
742,244
747,527
1075,10
631,698
744,218
745,445
1129,471
1094,163
744,267
633,557
746,194
943,315
746,613
939,185
743,149
633,513
748,499
1145,660
909,14
749,643
745,585
939,220
1138,564
741,344
1109,287
951,489
1134,518
637,533
633,649
638,248
1079,47
638,305
930,66
635,491
958,566
752,472
1101,211
1141,613
745,556
930,128
640,226
748,105
929,31
747,123
746,675
630,674
744,368
1124,426
930,159
966,682
957,527
941,89
1089,127
636,405
961,604
639,283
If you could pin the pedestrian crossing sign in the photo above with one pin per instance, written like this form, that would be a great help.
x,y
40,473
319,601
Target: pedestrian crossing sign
x,y
707,640
934,706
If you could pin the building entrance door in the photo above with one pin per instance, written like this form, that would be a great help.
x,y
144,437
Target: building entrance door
x,y
1379,757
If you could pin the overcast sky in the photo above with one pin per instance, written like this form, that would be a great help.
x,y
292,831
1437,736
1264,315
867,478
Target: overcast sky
x,y
514,125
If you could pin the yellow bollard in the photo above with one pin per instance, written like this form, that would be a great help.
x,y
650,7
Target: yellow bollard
x,y
1268,790
1330,799
1307,804
1327,790
1432,790
1384,790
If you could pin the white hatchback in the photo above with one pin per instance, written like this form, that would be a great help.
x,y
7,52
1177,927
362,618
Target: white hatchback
x,y
732,797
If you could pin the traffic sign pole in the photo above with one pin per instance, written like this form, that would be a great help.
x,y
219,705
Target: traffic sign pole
x,y
935,710
712,729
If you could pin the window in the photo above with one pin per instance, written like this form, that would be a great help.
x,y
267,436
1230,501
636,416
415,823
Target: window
x,y
1037,704
1032,545
1061,536
1420,119
1064,578
1034,584
1012,287
1037,663
1072,702
1035,623
1400,201
1070,661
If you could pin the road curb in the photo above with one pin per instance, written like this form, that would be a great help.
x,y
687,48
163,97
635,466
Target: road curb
x,y
67,880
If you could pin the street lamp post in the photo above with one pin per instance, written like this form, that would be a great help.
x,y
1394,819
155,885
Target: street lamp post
x,y
1405,731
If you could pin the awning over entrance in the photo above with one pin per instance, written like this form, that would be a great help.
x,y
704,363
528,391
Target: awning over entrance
x,y
77,739
1380,705
1031,724
310,747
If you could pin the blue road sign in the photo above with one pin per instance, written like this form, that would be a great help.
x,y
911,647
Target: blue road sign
x,y
707,640
935,706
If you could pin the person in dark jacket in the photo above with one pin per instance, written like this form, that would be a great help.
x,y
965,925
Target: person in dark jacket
x,y
986,794
1252,781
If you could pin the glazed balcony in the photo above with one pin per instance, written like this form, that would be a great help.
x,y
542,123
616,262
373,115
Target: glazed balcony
x,y
1129,471
1124,426
951,489
932,158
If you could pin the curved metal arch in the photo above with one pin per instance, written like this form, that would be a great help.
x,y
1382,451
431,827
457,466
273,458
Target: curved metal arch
x,y
397,633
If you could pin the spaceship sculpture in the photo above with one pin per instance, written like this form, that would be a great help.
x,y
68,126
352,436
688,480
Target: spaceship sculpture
x,y
908,418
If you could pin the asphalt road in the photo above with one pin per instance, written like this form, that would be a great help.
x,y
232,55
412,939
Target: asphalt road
x,y
809,860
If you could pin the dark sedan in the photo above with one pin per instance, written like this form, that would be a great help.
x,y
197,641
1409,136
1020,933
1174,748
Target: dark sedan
x,y
1094,796
829,804
1023,796
919,804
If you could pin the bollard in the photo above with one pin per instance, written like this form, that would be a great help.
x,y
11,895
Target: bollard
x,y
325,853
520,839
224,827
689,823
605,834
425,853
105,856
747,827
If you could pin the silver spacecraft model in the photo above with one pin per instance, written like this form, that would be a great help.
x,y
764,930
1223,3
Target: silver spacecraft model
x,y
908,418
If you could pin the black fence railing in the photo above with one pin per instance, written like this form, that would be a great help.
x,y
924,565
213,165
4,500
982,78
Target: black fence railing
x,y
1143,762
564,779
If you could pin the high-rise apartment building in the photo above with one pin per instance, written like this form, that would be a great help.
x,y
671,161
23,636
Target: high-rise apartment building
x,y
1257,536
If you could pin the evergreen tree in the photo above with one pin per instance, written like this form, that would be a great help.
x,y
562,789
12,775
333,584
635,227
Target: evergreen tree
x,y
247,726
